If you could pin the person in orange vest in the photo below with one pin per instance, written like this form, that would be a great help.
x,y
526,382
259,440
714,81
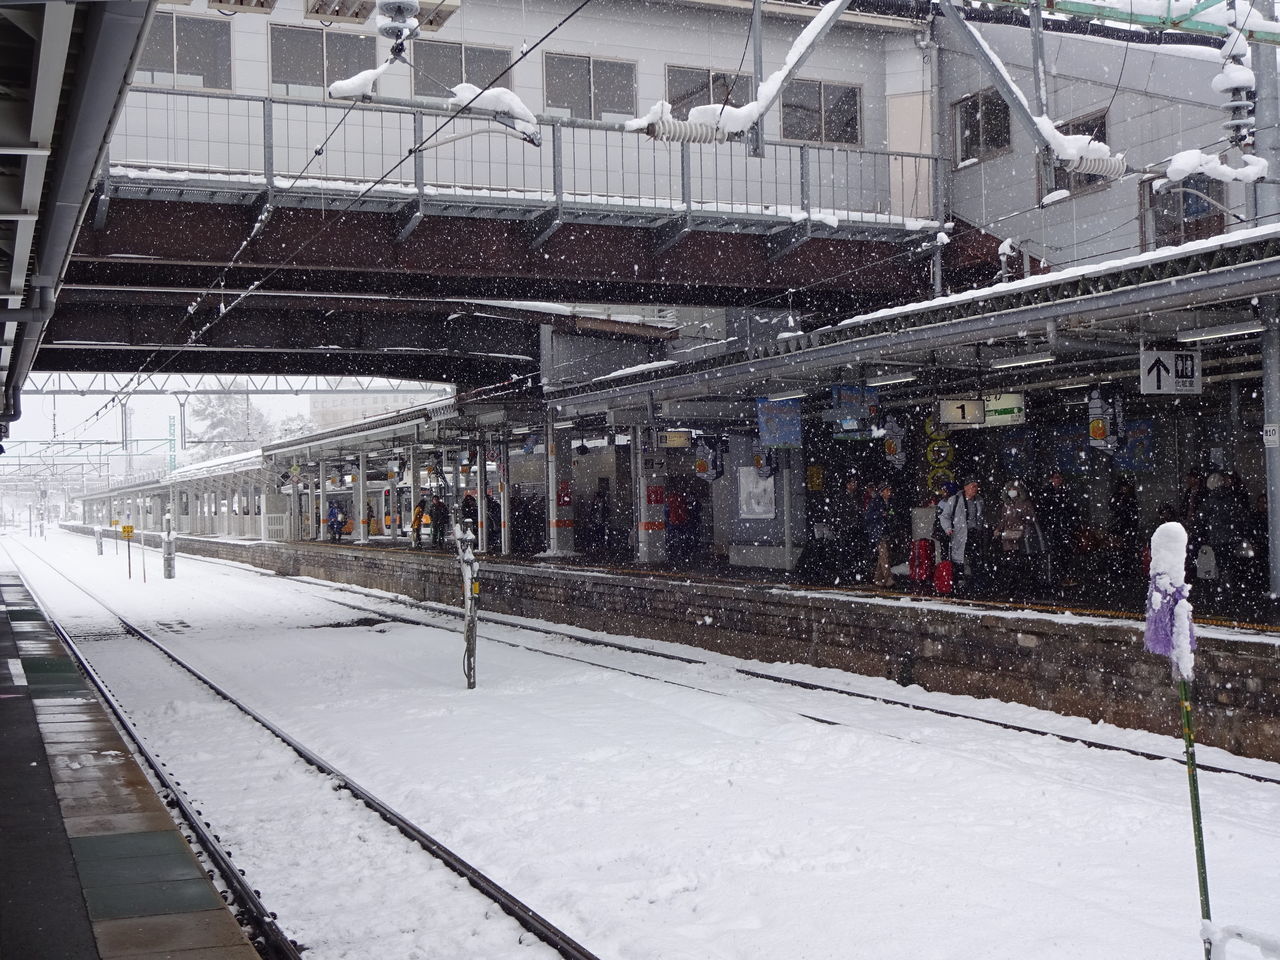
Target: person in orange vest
x,y
419,516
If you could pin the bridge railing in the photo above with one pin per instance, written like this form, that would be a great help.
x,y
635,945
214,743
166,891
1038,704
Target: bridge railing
x,y
186,136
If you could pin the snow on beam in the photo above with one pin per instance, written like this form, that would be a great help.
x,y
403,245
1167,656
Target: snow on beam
x,y
788,240
544,226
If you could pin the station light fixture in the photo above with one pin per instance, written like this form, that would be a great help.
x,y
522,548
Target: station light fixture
x,y
889,379
1213,333
789,395
1021,360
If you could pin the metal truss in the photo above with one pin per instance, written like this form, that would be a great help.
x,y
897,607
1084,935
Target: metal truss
x,y
1224,272
185,385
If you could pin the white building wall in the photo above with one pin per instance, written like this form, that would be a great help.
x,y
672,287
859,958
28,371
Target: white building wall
x,y
1158,101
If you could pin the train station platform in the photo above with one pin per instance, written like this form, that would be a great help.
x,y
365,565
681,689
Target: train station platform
x,y
91,864
1076,661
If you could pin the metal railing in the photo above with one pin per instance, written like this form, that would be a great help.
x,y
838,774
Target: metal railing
x,y
186,137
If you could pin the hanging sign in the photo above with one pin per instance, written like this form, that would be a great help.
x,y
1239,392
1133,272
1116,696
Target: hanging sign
x,y
961,412
673,439
706,464
779,422
1106,422
1170,371
894,450
1005,410
850,402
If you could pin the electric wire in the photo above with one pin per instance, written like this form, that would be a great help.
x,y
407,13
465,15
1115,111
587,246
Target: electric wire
x,y
329,225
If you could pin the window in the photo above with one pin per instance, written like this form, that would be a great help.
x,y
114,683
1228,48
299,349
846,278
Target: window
x,y
305,61
1092,126
821,112
1182,212
689,87
589,88
982,125
186,52
439,67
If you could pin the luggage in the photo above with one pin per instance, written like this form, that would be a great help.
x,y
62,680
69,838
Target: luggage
x,y
944,577
920,564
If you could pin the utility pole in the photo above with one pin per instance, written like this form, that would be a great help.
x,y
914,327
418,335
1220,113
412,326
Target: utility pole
x,y
756,140
1267,209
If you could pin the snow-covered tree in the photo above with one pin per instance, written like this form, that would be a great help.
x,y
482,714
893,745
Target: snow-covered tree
x,y
227,423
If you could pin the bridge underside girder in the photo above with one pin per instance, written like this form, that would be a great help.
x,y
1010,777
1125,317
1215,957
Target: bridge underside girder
x,y
101,335
172,243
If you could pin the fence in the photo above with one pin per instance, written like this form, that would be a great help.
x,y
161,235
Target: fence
x,y
182,136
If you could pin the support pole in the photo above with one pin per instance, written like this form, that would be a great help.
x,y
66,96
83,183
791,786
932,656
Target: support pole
x,y
482,494
1197,828
1267,202
756,136
504,490
362,494
560,520
1044,158
650,473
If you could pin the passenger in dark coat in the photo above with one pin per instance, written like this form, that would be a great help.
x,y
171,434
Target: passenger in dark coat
x,y
1122,529
470,511
439,521
881,529
1059,515
847,520
493,520
335,520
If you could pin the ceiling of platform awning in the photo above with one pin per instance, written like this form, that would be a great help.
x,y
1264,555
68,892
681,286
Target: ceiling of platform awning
x,y
64,70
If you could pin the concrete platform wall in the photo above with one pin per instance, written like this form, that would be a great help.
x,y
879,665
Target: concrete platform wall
x,y
1097,670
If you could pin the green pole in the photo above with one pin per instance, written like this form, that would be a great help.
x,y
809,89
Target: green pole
x,y
1184,697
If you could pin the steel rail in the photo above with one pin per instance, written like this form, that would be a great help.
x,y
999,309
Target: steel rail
x,y
519,911
253,912
569,634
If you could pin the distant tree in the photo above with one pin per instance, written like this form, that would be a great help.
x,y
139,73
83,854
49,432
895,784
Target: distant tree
x,y
294,425
227,423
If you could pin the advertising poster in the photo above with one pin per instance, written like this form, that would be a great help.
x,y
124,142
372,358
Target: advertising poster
x,y
755,495
779,422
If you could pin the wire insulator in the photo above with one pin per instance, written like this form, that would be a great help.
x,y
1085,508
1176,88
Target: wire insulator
x,y
682,131
1113,168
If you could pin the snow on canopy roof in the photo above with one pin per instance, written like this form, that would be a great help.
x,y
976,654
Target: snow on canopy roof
x,y
219,466
1238,237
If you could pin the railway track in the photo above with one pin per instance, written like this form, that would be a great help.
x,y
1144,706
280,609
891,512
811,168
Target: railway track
x,y
440,610
332,786
773,678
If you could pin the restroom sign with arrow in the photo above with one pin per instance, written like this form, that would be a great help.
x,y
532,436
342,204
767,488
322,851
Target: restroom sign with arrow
x,y
1170,371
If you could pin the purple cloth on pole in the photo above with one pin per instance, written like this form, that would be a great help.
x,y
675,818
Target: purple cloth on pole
x,y
1159,632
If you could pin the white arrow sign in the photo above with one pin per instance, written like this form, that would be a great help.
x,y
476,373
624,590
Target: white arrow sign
x,y
1170,371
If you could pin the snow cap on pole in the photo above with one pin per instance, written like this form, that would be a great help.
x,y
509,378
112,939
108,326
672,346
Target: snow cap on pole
x,y
1169,630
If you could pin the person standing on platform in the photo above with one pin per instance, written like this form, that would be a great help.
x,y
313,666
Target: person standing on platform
x,y
419,517
493,520
1059,518
880,527
961,519
1018,534
335,522
439,520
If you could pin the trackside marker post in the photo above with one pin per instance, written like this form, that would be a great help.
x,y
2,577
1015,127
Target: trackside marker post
x,y
464,539
1171,633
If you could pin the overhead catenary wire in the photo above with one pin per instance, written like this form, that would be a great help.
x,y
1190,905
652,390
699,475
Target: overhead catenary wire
x,y
328,225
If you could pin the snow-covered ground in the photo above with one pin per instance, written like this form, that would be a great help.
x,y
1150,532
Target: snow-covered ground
x,y
651,820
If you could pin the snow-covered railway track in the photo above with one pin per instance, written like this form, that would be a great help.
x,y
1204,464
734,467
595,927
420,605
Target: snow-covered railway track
x,y
260,798
564,633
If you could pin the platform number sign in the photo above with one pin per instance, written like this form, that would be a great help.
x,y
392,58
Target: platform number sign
x,y
1170,371
961,411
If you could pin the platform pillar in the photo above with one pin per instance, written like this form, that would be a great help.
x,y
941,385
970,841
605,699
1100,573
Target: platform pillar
x,y
650,473
559,453
414,493
504,490
482,496
361,514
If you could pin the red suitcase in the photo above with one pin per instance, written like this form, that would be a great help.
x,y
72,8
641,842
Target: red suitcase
x,y
921,566
944,577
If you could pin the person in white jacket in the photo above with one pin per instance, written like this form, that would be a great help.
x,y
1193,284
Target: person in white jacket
x,y
961,521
